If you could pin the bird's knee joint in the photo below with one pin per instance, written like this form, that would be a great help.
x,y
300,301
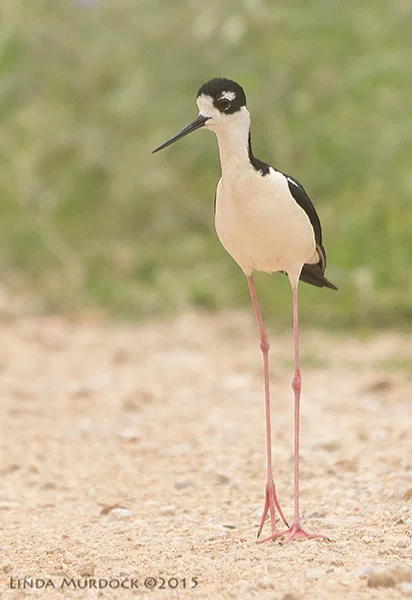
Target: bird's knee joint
x,y
296,382
264,345
270,486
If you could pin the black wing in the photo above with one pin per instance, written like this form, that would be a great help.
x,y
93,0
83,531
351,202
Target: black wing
x,y
312,274
301,197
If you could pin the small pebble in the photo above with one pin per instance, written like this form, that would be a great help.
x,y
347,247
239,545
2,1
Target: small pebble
x,y
406,589
290,596
182,484
130,435
404,543
408,494
222,478
87,570
140,523
365,571
6,568
330,446
265,583
120,356
378,386
168,510
51,484
382,579
120,514
10,469
315,573
9,505
130,405
366,539
401,573
244,586
107,509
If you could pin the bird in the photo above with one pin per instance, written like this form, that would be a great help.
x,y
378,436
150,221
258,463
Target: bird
x,y
266,222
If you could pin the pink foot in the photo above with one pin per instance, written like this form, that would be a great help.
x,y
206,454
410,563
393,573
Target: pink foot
x,y
271,501
295,533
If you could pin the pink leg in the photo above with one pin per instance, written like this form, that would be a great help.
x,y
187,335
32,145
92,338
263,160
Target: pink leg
x,y
296,531
271,500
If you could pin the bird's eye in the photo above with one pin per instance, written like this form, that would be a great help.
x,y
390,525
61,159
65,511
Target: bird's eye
x,y
224,104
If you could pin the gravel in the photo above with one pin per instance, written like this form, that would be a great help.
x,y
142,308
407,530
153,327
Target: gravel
x,y
138,452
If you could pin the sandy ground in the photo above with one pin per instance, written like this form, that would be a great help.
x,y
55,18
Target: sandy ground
x,y
137,452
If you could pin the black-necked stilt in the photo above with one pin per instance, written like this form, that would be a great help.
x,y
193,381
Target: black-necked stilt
x,y
265,221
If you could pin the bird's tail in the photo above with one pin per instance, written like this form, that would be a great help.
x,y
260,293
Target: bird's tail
x,y
313,274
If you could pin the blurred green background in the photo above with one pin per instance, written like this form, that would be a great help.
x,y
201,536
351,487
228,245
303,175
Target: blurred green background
x,y
91,220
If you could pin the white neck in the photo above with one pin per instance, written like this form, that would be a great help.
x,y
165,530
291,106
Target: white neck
x,y
233,141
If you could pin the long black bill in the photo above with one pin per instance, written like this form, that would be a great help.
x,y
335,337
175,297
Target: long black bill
x,y
198,122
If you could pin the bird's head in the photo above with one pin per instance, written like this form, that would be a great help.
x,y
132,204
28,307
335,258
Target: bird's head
x,y
222,106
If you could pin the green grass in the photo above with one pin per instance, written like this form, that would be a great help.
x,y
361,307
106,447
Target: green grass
x,y
90,219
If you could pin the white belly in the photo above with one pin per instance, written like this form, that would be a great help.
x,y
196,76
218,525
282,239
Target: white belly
x,y
261,226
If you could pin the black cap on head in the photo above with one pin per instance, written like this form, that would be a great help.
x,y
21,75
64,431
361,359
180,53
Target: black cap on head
x,y
228,103
227,96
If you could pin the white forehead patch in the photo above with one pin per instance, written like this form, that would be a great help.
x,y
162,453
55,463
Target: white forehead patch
x,y
205,104
228,95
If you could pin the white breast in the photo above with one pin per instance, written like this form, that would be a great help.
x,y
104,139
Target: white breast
x,y
260,224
